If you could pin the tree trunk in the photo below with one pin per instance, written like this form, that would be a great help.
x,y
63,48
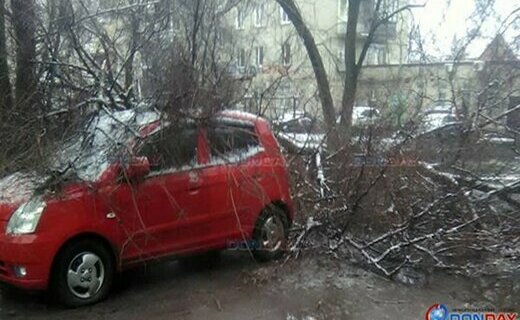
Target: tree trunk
x,y
133,44
24,31
6,99
322,81
351,71
194,32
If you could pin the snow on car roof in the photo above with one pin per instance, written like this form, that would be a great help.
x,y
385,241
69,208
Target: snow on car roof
x,y
363,108
89,152
440,108
241,115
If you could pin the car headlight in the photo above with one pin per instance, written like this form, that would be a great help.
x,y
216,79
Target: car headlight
x,y
25,219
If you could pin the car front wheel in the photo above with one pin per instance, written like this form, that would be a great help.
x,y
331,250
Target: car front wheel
x,y
83,273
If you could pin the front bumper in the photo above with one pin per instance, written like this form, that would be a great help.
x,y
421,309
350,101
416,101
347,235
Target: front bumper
x,y
31,252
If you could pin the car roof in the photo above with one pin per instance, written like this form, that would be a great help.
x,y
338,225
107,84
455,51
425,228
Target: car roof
x,y
363,108
238,115
232,116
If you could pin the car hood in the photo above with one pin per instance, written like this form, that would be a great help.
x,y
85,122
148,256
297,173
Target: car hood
x,y
17,187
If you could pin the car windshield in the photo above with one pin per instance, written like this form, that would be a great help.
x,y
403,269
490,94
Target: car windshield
x,y
369,113
101,141
364,112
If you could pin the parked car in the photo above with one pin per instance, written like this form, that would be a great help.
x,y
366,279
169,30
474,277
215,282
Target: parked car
x,y
363,116
498,138
299,132
138,189
438,115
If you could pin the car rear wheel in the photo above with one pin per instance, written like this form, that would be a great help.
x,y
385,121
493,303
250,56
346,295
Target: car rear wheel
x,y
270,234
83,273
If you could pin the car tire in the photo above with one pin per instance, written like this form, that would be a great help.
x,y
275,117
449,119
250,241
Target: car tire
x,y
270,235
83,273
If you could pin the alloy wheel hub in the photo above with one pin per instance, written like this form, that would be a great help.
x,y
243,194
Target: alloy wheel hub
x,y
85,275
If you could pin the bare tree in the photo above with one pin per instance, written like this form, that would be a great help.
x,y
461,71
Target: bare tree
x,y
5,85
133,44
353,61
322,81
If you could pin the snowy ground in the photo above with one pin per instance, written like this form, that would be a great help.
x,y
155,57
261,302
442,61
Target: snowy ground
x,y
308,288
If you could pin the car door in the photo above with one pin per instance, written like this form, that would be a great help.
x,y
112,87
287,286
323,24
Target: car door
x,y
167,202
230,177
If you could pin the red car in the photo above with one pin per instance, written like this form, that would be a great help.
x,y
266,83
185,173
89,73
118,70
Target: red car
x,y
137,188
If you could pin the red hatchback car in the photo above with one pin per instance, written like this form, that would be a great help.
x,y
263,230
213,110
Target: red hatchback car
x,y
137,188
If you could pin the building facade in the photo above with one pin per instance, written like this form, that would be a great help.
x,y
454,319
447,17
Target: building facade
x,y
271,59
480,89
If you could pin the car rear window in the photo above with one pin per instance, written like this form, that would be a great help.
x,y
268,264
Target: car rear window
x,y
232,142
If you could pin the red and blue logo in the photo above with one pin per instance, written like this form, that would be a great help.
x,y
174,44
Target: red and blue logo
x,y
441,312
437,312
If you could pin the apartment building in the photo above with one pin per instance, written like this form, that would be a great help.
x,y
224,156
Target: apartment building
x,y
486,86
270,57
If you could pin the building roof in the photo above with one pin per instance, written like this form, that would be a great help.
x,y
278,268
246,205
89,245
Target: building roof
x,y
498,50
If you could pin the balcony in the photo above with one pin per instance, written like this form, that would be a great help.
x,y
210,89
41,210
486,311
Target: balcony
x,y
242,72
385,32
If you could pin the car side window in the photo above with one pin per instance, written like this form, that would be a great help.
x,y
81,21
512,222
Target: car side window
x,y
232,142
170,148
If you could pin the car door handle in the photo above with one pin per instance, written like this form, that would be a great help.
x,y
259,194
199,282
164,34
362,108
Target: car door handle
x,y
194,182
194,186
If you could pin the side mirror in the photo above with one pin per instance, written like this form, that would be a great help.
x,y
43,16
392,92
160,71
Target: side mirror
x,y
137,168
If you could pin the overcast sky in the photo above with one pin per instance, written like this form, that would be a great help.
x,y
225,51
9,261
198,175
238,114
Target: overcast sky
x,y
441,20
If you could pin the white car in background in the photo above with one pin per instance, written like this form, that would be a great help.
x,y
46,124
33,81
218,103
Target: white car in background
x,y
299,131
437,116
363,116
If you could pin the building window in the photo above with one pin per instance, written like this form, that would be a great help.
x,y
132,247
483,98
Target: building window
x,y
340,60
343,10
341,55
376,54
287,104
241,17
241,59
286,54
259,56
389,7
284,16
259,15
